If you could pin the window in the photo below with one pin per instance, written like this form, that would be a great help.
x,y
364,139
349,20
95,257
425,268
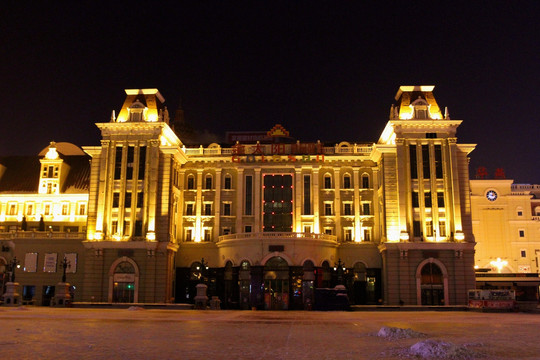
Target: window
x,y
307,195
191,182
207,234
442,228
523,253
30,209
415,202
429,228
365,181
521,233
140,199
347,181
414,166
327,209
440,199
249,195
366,209
47,209
228,182
65,209
347,234
416,228
347,209
114,227
12,210
127,200
130,164
427,199
49,188
208,182
189,234
227,209
438,162
327,181
138,228
118,163
307,229
82,209
247,228
367,234
116,200
142,162
189,209
208,209
520,213
226,231
425,161
328,231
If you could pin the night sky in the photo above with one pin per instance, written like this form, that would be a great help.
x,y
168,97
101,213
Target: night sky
x,y
324,70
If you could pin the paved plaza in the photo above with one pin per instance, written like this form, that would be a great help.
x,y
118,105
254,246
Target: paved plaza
x,y
135,333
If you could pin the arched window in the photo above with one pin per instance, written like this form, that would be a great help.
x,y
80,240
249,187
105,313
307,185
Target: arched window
x,y
327,181
190,182
365,181
208,182
347,181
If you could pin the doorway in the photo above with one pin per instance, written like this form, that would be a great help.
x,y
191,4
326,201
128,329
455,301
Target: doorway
x,y
276,284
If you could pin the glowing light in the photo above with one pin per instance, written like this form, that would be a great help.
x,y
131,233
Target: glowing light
x,y
459,236
117,237
404,236
151,236
476,267
52,154
499,264
98,235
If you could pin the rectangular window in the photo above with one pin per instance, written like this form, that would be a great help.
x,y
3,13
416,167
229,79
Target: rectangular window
x,y
307,195
30,209
118,163
116,199
138,228
207,235
347,209
367,234
521,233
346,182
189,234
47,209
127,227
50,172
12,209
523,253
114,227
307,229
49,188
414,166
416,228
520,213
438,162
65,209
442,228
227,209
142,162
189,209
425,161
347,234
130,164
366,209
127,201
415,202
328,231
429,228
227,185
226,231
278,203
327,209
440,199
249,195
208,209
208,182
427,199
140,199
247,228
82,209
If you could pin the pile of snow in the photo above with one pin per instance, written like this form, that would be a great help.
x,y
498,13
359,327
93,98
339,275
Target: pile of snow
x,y
398,333
135,308
436,349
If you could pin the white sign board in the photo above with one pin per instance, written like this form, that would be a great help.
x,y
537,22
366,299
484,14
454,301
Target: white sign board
x,y
49,263
30,262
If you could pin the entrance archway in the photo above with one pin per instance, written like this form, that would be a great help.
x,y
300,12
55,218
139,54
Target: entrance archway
x,y
432,283
124,281
276,284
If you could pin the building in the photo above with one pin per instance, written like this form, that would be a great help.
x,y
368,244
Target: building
x,y
506,224
267,220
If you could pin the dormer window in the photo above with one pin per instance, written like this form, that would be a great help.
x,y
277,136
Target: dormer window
x,y
137,112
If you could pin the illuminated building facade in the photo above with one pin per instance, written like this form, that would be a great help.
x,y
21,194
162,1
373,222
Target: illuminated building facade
x,y
268,219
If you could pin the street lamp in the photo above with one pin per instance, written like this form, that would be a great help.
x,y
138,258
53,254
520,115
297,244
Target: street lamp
x,y
340,269
65,264
204,268
13,264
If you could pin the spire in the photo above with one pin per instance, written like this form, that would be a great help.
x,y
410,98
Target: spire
x,y
113,116
446,113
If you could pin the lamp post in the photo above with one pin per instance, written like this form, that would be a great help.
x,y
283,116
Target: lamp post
x,y
12,266
204,269
340,269
65,264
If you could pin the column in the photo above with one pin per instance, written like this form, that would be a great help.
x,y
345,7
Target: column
x,y
239,197
315,201
217,207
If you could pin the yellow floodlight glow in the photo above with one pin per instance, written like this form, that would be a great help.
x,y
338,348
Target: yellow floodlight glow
x,y
117,237
406,114
98,235
459,236
499,264
52,154
151,236
404,236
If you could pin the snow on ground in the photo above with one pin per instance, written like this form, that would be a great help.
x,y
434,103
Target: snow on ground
x,y
64,333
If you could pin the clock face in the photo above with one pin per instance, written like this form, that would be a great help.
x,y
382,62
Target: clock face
x,y
491,195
